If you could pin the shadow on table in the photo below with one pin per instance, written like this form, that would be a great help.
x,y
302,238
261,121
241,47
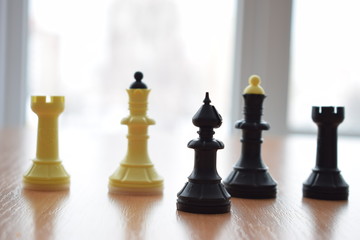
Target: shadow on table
x,y
45,207
135,210
203,226
325,216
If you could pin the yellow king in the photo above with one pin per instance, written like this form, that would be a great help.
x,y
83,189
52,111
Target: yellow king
x,y
136,173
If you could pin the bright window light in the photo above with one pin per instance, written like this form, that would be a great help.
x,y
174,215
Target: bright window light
x,y
89,51
325,62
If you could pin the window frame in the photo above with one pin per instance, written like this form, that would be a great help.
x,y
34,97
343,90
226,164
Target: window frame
x,y
263,32
13,61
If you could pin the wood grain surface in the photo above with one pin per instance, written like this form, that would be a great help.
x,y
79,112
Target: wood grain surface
x,y
88,211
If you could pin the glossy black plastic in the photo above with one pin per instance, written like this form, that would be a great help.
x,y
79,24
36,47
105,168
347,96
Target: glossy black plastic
x,y
250,177
204,192
325,181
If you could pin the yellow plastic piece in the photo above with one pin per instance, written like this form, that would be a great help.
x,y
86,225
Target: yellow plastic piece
x,y
47,172
254,86
136,174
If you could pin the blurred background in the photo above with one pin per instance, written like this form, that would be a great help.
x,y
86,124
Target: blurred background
x,y
89,51
305,51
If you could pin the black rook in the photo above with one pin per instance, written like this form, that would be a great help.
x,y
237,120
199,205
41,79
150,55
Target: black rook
x,y
325,181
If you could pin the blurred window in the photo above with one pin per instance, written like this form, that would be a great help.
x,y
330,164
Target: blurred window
x,y
325,62
89,51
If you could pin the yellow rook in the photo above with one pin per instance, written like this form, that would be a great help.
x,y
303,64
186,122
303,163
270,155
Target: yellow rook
x,y
47,172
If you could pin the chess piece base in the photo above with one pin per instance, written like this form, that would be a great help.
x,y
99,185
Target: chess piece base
x,y
135,180
253,184
46,176
252,192
326,185
195,208
45,186
136,190
203,198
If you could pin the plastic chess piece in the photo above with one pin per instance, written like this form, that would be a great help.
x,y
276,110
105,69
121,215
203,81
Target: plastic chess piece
x,y
136,173
204,192
250,177
47,172
325,181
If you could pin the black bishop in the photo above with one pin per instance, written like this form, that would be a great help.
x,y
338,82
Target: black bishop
x,y
204,192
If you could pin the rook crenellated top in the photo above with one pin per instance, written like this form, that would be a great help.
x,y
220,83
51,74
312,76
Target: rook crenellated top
x,y
53,105
328,114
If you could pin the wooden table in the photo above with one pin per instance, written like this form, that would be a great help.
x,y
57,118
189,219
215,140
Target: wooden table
x,y
87,211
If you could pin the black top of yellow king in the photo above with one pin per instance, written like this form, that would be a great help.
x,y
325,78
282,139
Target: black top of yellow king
x,y
138,83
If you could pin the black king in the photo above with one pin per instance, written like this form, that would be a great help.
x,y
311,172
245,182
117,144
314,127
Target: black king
x,y
250,177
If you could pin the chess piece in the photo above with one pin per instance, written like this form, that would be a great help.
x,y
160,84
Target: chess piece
x,y
204,192
250,177
47,172
136,174
325,181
